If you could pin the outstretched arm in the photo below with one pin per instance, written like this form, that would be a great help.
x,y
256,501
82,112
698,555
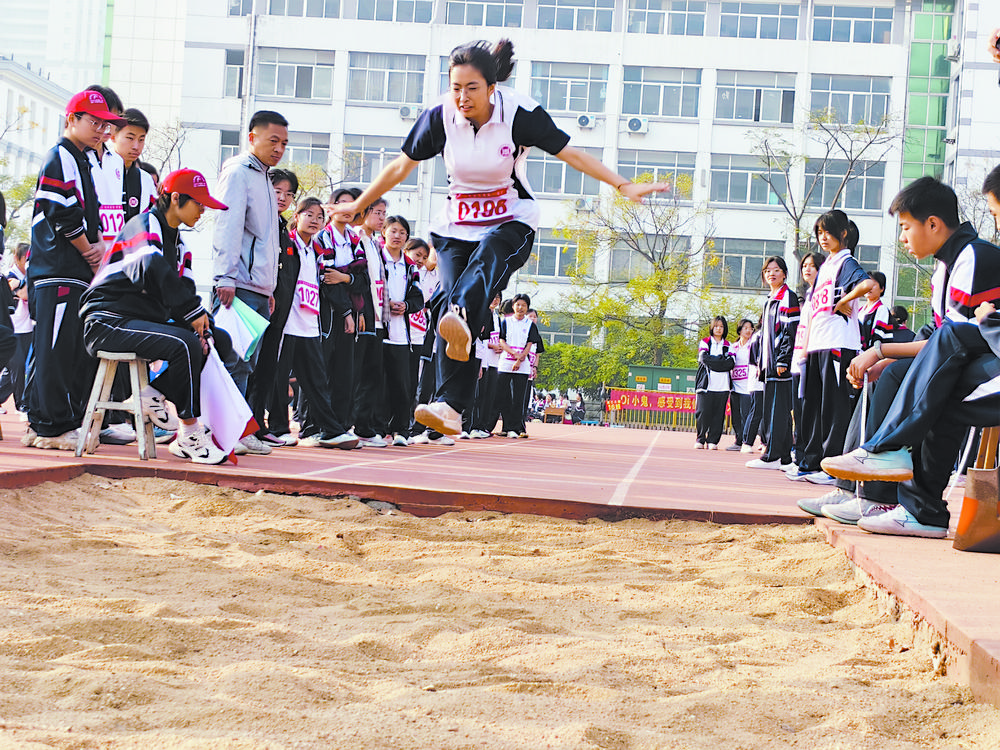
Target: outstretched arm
x,y
394,173
584,162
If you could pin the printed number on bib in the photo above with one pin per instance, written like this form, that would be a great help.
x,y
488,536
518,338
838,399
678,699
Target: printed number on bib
x,y
740,372
481,208
112,220
380,291
418,320
308,296
822,298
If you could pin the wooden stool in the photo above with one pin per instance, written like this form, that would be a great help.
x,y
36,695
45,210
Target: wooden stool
x,y
90,431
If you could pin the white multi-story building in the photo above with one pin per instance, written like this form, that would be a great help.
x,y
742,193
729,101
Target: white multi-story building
x,y
31,120
668,86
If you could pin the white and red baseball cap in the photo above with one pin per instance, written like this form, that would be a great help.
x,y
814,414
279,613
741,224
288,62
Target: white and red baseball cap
x,y
190,182
93,104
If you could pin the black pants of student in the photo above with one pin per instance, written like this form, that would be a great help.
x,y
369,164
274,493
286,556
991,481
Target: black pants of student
x,y
826,407
264,377
751,425
471,274
484,417
12,380
8,346
178,346
338,352
929,412
305,357
396,369
710,415
369,384
797,441
59,373
511,387
778,416
740,406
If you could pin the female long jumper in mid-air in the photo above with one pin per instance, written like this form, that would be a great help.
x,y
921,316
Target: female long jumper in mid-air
x,y
487,228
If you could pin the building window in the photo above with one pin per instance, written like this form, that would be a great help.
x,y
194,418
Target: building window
x,y
736,179
755,97
229,144
627,263
563,329
670,92
679,17
863,190
378,77
552,256
307,8
484,12
851,98
737,263
234,74
366,155
869,256
445,75
401,11
547,174
308,148
759,20
295,73
579,15
240,7
846,23
569,87
664,166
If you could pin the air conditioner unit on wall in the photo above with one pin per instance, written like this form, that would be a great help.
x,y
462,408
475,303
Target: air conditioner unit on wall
x,y
637,125
954,51
583,204
409,112
586,122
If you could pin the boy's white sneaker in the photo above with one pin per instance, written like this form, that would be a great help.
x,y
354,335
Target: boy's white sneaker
x,y
198,447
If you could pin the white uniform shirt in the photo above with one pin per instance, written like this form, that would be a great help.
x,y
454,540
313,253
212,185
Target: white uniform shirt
x,y
838,275
303,317
109,182
517,338
741,372
373,254
395,283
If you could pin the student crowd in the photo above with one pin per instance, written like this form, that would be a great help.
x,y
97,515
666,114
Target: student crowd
x,y
348,300
796,378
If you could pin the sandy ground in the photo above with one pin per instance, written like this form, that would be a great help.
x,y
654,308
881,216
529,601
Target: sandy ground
x,y
153,614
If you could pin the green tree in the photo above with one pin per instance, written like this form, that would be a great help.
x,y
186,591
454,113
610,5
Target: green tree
x,y
583,368
637,277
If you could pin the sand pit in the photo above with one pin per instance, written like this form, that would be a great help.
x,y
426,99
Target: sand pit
x,y
155,614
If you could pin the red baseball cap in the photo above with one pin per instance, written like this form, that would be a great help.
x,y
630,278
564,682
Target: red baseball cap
x,y
93,104
190,182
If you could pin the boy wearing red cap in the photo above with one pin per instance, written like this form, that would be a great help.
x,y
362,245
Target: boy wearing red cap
x,y
66,248
143,300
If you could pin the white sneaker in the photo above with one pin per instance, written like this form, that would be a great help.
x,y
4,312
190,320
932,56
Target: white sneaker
x,y
29,437
155,406
420,439
439,417
373,442
820,477
463,435
860,465
850,512
760,463
117,434
712,447
252,444
454,331
699,446
64,442
288,439
900,522
345,441
312,441
400,441
745,448
443,440
479,434
198,447
512,435
815,505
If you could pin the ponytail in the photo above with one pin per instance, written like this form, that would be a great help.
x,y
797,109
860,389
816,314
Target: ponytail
x,y
494,64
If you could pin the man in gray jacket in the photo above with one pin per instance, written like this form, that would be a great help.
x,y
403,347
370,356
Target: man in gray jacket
x,y
245,244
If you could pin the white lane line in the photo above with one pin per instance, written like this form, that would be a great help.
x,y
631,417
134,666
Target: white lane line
x,y
623,486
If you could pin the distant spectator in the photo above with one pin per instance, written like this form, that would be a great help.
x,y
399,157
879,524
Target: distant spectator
x,y
900,333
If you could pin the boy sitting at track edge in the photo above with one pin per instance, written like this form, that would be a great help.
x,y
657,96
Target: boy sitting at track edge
x,y
140,302
952,383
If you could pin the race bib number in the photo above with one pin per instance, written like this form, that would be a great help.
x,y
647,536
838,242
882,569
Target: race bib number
x,y
822,298
512,356
418,320
494,338
740,372
308,296
380,293
112,221
482,208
